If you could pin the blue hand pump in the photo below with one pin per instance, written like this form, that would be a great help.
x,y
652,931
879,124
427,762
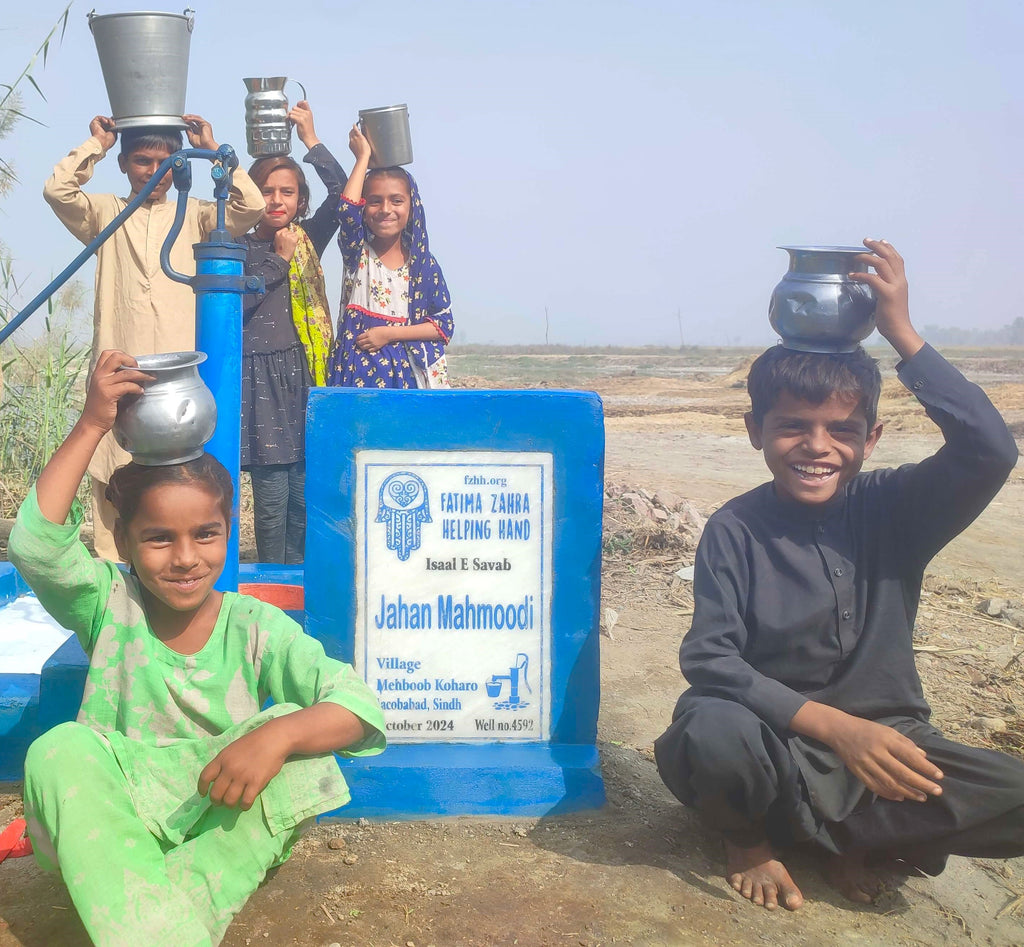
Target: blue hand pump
x,y
219,284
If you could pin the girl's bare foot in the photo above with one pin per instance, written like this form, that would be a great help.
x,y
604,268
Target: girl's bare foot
x,y
760,877
853,879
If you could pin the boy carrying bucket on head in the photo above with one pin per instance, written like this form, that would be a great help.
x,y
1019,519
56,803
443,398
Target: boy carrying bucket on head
x,y
805,719
137,308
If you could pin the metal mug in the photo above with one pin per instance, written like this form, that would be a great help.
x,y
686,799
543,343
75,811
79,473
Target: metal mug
x,y
387,131
144,58
267,129
176,415
816,307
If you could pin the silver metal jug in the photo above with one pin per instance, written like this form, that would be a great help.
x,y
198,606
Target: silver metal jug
x,y
175,416
387,131
817,307
267,129
144,58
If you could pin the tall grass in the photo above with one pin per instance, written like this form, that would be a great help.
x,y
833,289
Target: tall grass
x,y
43,393
44,385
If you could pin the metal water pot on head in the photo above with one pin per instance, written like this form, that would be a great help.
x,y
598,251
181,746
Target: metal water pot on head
x,y
267,129
816,307
174,417
144,58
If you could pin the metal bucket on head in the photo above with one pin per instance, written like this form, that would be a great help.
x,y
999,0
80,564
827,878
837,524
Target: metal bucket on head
x,y
267,129
144,58
387,130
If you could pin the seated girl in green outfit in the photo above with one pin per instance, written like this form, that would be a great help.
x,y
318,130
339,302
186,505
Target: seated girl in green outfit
x,y
164,805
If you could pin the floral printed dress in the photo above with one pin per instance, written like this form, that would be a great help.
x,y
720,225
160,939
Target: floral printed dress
x,y
375,295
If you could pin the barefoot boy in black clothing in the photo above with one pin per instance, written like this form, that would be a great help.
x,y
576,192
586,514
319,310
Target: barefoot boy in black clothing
x,y
805,720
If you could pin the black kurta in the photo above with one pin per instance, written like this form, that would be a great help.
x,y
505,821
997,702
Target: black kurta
x,y
275,376
796,603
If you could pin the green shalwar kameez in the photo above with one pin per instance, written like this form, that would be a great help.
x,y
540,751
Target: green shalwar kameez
x,y
111,799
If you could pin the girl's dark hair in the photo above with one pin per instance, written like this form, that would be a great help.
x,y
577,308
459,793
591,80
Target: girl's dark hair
x,y
813,377
134,139
394,172
128,484
262,168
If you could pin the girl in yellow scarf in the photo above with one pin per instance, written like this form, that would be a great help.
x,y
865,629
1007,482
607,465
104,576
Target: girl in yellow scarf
x,y
287,337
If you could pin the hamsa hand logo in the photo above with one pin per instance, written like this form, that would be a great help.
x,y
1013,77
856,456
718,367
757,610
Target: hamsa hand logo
x,y
403,505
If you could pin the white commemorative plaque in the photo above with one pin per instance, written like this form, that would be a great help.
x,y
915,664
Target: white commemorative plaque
x,y
453,584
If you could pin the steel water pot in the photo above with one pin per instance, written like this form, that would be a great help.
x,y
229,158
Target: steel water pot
x,y
175,416
267,129
144,58
817,307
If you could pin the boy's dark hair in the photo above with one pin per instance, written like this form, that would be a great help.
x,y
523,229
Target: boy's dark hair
x,y
813,377
132,139
262,168
129,483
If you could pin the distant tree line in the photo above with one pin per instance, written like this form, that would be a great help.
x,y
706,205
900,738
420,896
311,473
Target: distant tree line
x,y
1012,334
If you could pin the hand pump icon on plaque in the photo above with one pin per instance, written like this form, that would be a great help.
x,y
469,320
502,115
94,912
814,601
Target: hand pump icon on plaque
x,y
515,674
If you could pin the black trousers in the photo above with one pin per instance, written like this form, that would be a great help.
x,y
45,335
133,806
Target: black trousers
x,y
279,508
719,758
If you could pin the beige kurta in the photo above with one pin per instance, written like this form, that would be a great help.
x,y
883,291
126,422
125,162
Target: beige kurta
x,y
138,309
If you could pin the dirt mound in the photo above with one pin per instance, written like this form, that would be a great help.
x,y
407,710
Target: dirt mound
x,y
470,381
737,378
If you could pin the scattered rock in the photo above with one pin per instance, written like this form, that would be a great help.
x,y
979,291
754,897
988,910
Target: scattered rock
x,y
686,573
336,843
637,504
351,858
1015,616
520,830
638,522
609,618
989,724
993,607
666,500
691,515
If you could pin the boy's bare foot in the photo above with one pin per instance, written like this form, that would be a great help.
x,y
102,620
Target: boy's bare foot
x,y
760,877
853,879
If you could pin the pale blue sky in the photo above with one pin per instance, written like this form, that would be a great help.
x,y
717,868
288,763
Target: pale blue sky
x,y
617,162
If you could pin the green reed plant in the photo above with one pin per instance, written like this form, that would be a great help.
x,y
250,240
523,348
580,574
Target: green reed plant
x,y
43,394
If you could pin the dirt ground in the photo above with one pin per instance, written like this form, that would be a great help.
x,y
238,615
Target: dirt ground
x,y
642,871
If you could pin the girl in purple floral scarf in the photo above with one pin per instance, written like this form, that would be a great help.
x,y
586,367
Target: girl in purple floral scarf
x,y
396,314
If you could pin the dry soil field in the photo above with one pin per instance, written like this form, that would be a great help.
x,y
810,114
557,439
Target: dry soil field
x,y
642,871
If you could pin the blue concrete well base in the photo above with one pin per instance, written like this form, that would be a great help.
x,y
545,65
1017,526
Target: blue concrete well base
x,y
19,694
420,781
411,492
